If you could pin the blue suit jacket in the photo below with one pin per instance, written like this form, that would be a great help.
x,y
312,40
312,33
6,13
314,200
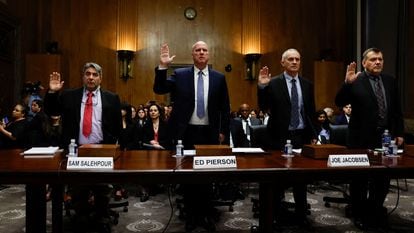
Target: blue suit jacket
x,y
181,86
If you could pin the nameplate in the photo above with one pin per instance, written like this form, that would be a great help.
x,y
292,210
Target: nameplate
x,y
90,163
217,162
355,160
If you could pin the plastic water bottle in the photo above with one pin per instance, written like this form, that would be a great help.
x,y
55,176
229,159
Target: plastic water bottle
x,y
73,148
393,148
288,149
179,148
386,140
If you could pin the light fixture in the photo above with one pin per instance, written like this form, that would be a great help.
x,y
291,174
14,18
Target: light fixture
x,y
125,66
251,60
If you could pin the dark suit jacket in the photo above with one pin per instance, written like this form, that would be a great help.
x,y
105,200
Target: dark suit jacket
x,y
341,120
237,133
181,87
275,97
68,105
163,135
364,121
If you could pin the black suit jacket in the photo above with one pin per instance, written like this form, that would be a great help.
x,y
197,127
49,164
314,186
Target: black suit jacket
x,y
364,121
237,133
181,87
275,96
68,105
163,135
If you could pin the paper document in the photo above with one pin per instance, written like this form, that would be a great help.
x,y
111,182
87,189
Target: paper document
x,y
247,150
41,150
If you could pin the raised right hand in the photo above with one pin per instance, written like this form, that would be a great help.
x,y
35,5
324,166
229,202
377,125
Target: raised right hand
x,y
351,74
165,58
55,84
264,76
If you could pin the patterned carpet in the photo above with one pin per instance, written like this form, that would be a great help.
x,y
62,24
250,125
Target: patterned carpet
x,y
153,215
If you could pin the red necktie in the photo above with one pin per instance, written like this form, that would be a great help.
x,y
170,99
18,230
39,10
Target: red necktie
x,y
87,116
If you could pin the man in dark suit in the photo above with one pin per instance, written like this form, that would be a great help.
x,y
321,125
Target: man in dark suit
x,y
205,125
345,116
70,104
247,121
200,116
291,102
375,107
90,115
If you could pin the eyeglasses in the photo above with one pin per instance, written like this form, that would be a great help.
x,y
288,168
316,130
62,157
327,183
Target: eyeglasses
x,y
94,74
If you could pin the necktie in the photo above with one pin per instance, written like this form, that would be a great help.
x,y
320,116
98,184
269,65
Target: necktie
x,y
247,127
294,101
87,116
200,95
380,98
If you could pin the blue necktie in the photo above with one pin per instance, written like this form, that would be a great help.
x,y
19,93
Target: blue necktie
x,y
294,101
200,95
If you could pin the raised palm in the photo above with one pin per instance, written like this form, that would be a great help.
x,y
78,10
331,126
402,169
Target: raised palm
x,y
55,84
165,58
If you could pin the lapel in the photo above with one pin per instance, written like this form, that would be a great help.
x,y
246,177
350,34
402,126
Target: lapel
x,y
78,97
285,89
367,86
191,81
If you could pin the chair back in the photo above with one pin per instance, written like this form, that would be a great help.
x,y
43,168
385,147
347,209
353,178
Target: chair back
x,y
260,137
339,134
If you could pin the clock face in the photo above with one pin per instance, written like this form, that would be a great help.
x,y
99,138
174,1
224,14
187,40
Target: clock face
x,y
190,13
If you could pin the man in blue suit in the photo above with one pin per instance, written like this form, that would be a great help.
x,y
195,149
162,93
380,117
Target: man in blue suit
x,y
212,124
200,116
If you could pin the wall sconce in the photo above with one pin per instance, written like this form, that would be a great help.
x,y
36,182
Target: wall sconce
x,y
125,66
251,65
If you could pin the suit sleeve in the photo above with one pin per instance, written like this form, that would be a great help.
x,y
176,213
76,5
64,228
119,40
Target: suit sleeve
x,y
162,85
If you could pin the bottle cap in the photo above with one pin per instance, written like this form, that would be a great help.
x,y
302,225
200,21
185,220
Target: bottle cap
x,y
288,141
179,141
72,140
392,141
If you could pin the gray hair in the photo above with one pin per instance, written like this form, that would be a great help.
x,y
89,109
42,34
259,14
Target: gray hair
x,y
97,67
284,55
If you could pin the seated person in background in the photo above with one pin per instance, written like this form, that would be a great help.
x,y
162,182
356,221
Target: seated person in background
x,y
343,119
37,127
244,112
126,137
330,113
155,132
322,128
13,134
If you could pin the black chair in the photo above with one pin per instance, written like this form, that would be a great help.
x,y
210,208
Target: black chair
x,y
338,136
260,137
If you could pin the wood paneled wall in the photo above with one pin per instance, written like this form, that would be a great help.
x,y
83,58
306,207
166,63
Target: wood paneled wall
x,y
90,31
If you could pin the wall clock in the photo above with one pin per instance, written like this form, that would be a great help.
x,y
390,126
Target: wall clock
x,y
190,13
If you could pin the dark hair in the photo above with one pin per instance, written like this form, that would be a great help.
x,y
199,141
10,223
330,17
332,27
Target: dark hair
x,y
39,102
160,110
128,116
375,50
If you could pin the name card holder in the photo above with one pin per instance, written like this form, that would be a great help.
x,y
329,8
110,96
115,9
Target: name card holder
x,y
214,162
90,163
351,160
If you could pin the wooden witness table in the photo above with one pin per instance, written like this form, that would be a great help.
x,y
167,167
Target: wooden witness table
x,y
155,166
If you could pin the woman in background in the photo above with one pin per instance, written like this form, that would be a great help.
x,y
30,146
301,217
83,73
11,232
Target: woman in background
x,y
13,134
322,128
155,133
